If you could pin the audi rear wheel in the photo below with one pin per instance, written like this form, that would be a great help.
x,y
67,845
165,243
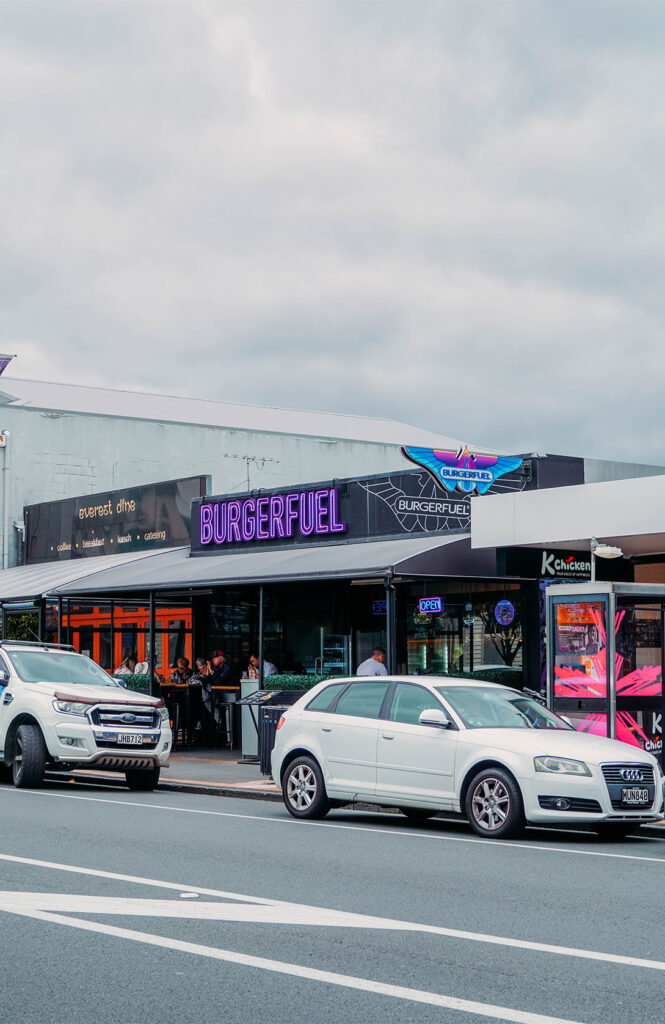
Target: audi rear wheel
x,y
303,789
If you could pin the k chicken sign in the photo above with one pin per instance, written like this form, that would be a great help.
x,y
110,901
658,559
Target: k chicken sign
x,y
544,563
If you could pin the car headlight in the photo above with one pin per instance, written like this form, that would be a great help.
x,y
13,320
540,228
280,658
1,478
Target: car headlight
x,y
163,714
560,766
71,707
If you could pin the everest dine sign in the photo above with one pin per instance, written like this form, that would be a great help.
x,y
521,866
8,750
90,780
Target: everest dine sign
x,y
270,517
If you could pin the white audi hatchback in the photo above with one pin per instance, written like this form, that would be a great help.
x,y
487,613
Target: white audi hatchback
x,y
427,745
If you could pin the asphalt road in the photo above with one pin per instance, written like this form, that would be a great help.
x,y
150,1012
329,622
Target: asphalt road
x,y
169,907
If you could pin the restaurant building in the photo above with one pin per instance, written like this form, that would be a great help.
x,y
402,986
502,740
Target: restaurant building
x,y
312,574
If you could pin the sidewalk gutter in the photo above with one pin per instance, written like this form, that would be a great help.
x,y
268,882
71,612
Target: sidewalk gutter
x,y
268,791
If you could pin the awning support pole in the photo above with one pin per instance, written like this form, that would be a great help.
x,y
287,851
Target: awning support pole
x,y
60,620
112,638
391,644
152,663
261,637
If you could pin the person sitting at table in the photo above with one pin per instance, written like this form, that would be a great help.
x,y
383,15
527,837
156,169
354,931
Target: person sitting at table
x,y
126,666
253,668
182,673
222,673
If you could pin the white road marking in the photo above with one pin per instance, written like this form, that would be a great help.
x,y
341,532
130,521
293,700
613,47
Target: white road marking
x,y
497,844
263,910
503,1013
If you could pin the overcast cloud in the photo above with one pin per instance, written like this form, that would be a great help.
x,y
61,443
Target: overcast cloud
x,y
449,213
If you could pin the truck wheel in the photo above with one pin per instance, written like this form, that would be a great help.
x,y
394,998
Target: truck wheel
x,y
142,780
29,761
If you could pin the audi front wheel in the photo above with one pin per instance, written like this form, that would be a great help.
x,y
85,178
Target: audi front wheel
x,y
494,805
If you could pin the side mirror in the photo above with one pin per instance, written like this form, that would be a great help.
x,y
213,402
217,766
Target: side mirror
x,y
434,716
4,676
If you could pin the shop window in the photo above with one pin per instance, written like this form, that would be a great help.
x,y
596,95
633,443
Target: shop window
x,y
106,649
86,641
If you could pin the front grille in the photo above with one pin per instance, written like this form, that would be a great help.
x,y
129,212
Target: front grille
x,y
112,717
612,774
575,803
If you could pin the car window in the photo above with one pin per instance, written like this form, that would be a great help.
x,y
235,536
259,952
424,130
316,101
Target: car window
x,y
362,699
323,700
408,702
58,667
495,708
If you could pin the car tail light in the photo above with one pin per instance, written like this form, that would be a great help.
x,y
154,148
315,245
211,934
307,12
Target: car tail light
x,y
280,723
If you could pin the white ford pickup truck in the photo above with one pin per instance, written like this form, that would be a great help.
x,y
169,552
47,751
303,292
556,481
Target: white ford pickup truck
x,y
59,710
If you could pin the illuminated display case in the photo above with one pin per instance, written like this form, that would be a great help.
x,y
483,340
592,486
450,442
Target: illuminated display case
x,y
605,659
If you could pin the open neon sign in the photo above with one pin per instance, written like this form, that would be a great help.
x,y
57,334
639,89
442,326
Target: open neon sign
x,y
275,516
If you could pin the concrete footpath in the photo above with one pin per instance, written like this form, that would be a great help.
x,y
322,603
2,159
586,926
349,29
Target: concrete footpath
x,y
205,771
219,773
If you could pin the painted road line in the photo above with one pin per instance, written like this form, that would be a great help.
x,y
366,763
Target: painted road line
x,y
496,844
502,1013
263,910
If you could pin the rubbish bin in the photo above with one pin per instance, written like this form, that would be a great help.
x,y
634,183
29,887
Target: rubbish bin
x,y
269,716
283,700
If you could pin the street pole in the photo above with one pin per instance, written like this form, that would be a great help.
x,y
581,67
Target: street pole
x,y
5,501
152,661
260,652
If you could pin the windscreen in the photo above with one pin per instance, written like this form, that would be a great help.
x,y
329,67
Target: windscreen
x,y
482,707
58,667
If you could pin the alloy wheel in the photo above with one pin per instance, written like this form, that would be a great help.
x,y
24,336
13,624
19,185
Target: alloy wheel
x,y
490,804
301,787
18,757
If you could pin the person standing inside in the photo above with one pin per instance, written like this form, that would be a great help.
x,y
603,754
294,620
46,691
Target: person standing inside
x,y
374,666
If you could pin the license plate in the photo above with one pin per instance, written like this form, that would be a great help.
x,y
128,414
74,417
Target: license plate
x,y
635,797
134,739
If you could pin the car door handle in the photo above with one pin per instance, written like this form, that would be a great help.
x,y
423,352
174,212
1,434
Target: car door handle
x,y
326,728
388,735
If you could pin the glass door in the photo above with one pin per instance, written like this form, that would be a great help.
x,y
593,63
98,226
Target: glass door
x,y
639,670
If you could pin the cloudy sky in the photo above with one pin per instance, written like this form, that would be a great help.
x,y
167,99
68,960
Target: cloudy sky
x,y
450,213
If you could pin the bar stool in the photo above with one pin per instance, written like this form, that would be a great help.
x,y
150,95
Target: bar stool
x,y
224,714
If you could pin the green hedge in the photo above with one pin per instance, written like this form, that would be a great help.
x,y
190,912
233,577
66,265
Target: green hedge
x,y
139,683
505,676
291,682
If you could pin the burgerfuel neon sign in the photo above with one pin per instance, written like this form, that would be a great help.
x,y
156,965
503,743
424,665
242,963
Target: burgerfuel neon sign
x,y
272,517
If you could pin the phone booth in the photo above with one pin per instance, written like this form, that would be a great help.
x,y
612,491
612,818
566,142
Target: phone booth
x,y
605,659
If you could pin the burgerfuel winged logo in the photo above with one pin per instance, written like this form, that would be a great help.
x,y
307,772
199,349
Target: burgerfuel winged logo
x,y
462,470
